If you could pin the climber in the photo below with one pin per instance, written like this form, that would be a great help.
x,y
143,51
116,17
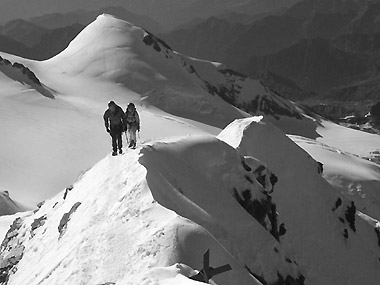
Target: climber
x,y
114,120
133,124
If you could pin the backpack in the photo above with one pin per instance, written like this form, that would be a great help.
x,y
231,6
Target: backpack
x,y
131,116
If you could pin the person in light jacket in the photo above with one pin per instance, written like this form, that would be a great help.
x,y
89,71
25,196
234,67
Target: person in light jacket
x,y
133,124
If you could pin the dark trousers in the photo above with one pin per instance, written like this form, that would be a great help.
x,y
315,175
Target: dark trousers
x,y
117,141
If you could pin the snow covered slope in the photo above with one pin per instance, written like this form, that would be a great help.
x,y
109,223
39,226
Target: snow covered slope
x,y
117,51
113,60
148,216
322,229
109,228
353,177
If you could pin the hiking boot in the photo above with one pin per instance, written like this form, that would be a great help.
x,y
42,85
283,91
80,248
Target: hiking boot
x,y
114,153
132,143
120,151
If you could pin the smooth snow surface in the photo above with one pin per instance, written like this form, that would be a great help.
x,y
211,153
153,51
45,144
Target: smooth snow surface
x,y
349,140
305,202
46,143
353,177
120,234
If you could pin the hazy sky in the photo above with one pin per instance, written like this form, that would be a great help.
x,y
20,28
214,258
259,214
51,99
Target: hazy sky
x,y
166,12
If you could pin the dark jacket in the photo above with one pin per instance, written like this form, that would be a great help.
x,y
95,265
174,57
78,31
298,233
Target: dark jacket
x,y
114,119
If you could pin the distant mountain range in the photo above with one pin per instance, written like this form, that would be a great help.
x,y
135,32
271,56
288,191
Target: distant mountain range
x,y
168,13
9,206
27,40
327,48
84,17
312,50
45,36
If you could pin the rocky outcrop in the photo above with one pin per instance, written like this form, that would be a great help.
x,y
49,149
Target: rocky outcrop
x,y
24,70
263,209
346,214
20,73
66,218
12,251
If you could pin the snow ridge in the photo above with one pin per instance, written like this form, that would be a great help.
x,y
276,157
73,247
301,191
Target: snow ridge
x,y
162,206
134,57
24,75
315,217
7,205
110,214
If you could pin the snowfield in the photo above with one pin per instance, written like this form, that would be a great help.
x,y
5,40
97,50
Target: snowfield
x,y
283,197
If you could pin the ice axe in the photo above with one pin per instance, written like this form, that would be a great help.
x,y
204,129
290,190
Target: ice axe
x,y
208,272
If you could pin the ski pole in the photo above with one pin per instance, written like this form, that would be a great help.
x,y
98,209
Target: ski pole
x,y
126,137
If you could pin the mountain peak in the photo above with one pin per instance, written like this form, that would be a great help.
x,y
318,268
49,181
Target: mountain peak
x,y
7,205
115,50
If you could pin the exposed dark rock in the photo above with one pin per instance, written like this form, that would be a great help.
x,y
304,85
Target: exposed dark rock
x,y
345,234
38,223
289,280
18,65
11,251
12,232
377,231
260,210
282,230
261,174
273,179
255,208
246,166
148,40
228,71
67,190
155,42
350,215
260,177
40,204
338,203
320,167
5,61
272,215
259,104
26,71
66,218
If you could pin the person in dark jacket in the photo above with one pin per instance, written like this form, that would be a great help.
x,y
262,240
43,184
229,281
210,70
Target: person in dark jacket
x,y
114,120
